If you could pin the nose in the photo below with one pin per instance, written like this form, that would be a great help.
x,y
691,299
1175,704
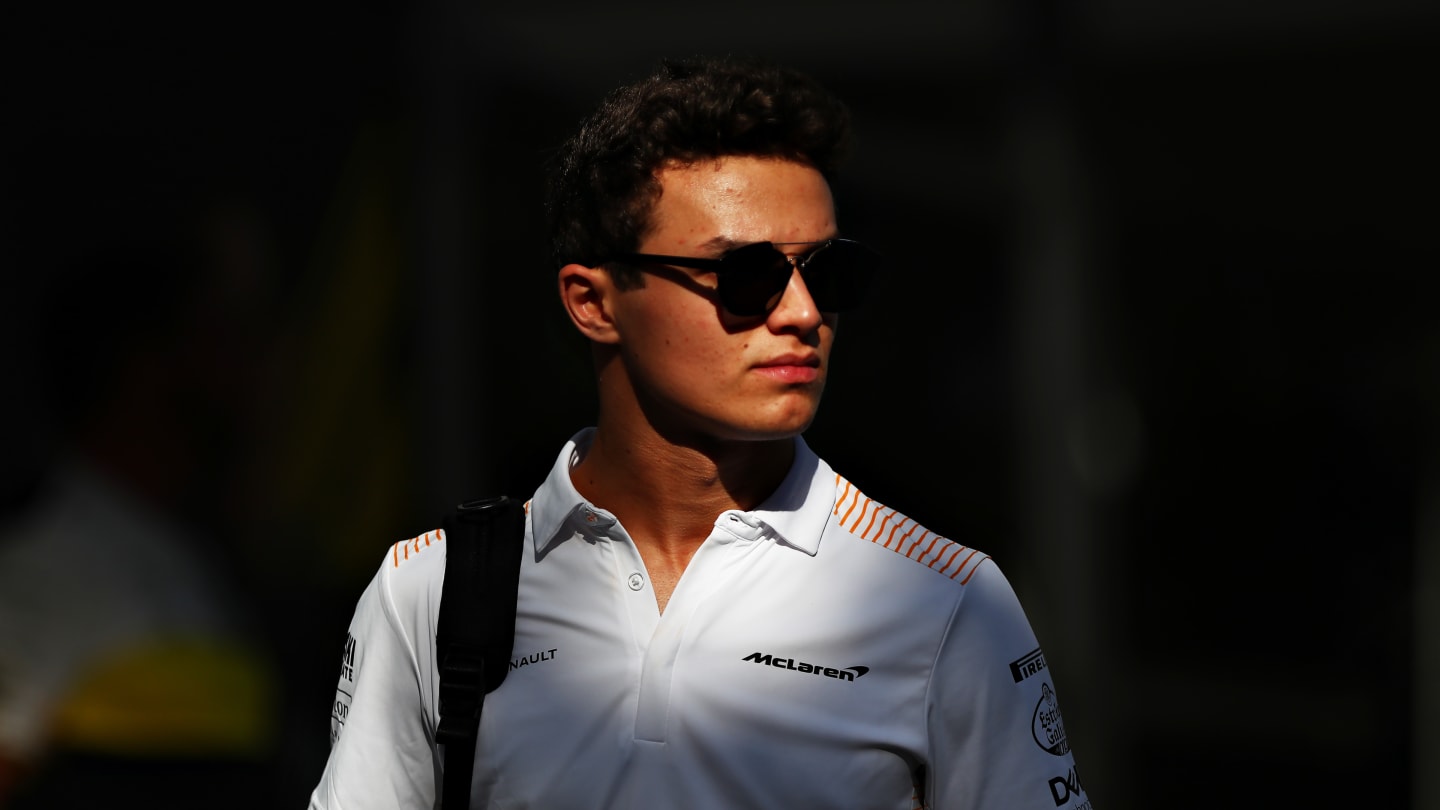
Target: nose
x,y
797,309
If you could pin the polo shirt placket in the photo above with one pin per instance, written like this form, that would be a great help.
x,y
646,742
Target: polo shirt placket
x,y
692,592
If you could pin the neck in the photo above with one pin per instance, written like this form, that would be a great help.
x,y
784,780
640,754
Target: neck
x,y
665,479
667,495
667,492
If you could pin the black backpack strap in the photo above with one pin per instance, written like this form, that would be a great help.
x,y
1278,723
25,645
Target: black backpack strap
x,y
475,632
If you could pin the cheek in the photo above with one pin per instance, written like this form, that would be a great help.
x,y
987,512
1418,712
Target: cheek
x,y
680,371
673,348
660,333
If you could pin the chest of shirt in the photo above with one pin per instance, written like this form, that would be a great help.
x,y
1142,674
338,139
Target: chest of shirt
x,y
765,658
755,630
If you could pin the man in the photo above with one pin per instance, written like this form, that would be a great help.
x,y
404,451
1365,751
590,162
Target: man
x,y
708,615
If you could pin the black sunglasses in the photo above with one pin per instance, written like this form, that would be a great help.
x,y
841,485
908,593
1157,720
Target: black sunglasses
x,y
751,279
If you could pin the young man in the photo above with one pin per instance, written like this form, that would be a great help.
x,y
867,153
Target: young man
x,y
708,615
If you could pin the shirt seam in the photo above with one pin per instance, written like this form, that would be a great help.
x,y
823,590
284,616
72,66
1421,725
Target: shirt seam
x,y
389,607
929,692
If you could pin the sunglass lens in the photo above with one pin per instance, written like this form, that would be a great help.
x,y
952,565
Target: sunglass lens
x,y
838,274
754,279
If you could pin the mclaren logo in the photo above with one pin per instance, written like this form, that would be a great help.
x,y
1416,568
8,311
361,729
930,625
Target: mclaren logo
x,y
769,660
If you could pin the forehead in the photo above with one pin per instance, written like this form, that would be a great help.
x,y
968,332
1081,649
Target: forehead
x,y
741,200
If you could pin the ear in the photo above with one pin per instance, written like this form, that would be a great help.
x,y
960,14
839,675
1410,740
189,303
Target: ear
x,y
588,293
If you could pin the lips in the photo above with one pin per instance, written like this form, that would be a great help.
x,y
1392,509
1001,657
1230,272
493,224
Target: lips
x,y
791,368
805,360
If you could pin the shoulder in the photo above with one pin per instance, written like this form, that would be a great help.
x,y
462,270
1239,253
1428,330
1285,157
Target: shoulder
x,y
418,556
392,630
406,588
858,518
386,696
415,566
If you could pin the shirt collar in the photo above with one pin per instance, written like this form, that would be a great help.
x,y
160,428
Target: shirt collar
x,y
557,501
799,508
796,511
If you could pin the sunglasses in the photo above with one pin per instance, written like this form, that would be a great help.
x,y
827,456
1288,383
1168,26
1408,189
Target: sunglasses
x,y
750,280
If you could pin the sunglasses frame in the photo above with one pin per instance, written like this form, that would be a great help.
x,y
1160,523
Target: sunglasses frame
x,y
725,266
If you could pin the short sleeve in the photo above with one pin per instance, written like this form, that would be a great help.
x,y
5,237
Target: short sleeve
x,y
995,730
382,747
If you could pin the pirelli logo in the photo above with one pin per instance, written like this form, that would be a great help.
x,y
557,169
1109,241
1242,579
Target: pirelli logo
x,y
793,665
1031,663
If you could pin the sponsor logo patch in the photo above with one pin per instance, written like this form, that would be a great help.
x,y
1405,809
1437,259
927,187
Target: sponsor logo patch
x,y
347,659
1032,663
1047,725
1067,787
795,665
532,658
345,690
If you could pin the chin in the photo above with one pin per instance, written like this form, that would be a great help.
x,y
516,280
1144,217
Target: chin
x,y
780,428
771,421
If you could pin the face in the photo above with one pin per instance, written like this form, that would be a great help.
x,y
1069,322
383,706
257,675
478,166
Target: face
x,y
693,366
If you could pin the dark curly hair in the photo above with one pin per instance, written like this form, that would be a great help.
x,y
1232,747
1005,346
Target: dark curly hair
x,y
602,184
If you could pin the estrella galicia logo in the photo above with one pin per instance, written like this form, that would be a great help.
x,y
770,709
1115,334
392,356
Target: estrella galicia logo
x,y
845,674
1047,725
1028,664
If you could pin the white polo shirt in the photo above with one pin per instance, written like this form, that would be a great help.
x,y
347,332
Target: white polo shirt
x,y
820,651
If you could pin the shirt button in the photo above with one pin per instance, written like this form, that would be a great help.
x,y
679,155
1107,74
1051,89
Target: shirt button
x,y
636,581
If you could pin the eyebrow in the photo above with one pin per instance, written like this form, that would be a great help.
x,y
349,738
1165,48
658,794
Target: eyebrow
x,y
723,244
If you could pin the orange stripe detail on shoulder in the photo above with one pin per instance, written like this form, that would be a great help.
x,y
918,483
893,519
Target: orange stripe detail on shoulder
x,y
402,550
893,529
866,534
881,529
938,548
966,564
841,498
920,540
928,549
953,554
973,569
854,499
863,510
904,537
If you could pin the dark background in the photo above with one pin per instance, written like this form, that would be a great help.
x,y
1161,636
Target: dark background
x,y
1160,337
